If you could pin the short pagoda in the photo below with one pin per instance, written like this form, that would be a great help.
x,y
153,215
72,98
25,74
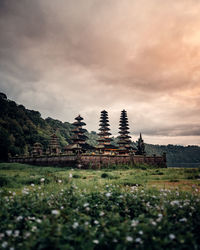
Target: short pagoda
x,y
37,149
140,146
104,145
124,138
54,146
79,138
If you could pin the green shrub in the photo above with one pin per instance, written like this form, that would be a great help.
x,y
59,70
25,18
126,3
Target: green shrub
x,y
4,181
104,175
76,176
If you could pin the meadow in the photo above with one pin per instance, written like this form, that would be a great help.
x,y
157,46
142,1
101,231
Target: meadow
x,y
114,208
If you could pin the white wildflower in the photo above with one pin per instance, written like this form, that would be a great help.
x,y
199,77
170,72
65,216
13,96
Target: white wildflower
x,y
26,235
4,244
138,240
108,194
32,185
16,233
34,228
172,236
86,204
1,235
55,212
183,220
59,181
101,213
96,222
95,241
175,202
129,238
134,223
42,179
75,225
9,232
19,218
70,175
38,220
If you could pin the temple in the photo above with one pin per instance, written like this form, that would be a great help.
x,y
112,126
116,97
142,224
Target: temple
x,y
140,146
106,152
124,138
79,138
104,142
37,149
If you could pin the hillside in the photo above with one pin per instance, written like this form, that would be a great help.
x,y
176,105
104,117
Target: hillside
x,y
20,128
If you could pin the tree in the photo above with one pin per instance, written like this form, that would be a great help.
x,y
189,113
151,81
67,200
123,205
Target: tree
x,y
4,144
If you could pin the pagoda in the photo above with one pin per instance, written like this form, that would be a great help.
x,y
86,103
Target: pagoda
x,y
140,146
104,140
124,138
79,138
37,149
54,146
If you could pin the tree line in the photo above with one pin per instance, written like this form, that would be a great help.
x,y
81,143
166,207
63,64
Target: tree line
x,y
20,128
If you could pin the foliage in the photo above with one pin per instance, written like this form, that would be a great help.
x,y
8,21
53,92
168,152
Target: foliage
x,y
53,210
20,128
176,153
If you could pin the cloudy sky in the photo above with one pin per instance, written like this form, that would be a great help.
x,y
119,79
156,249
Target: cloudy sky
x,y
67,57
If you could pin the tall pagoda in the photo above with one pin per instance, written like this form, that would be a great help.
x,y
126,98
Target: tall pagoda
x,y
104,140
124,138
79,138
140,146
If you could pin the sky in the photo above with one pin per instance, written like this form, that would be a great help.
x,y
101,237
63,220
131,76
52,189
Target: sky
x,y
65,58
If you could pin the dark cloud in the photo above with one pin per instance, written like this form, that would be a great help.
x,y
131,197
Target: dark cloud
x,y
67,57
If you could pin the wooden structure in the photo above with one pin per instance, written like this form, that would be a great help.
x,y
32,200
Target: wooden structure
x,y
37,149
79,138
124,138
104,141
54,146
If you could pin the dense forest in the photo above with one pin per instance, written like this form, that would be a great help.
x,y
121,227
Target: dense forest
x,y
20,128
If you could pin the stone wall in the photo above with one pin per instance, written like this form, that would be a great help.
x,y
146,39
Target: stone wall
x,y
62,160
92,161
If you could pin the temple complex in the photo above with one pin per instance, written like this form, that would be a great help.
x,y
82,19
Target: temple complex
x,y
79,153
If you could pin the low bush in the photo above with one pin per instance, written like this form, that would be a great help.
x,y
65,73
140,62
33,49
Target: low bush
x,y
112,219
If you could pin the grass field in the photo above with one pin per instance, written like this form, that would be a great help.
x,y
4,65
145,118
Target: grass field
x,y
122,208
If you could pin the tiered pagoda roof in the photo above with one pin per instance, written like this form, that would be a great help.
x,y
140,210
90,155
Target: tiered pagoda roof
x,y
54,146
37,149
79,138
104,134
124,138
